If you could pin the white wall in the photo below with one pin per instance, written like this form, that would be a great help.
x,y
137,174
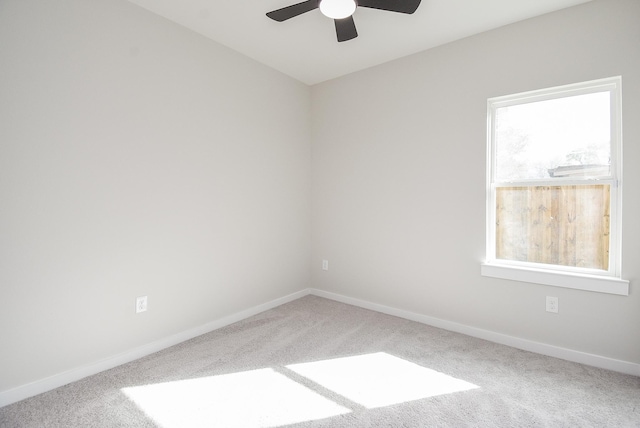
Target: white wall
x,y
138,158
398,164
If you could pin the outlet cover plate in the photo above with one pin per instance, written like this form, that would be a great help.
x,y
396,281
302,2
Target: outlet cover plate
x,y
141,304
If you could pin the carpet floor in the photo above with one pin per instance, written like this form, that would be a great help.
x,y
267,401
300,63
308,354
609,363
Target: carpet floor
x,y
319,363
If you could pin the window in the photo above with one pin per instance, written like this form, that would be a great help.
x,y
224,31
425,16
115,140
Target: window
x,y
554,164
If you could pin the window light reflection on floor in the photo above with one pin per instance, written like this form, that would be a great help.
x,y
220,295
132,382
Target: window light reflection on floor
x,y
252,399
266,398
380,379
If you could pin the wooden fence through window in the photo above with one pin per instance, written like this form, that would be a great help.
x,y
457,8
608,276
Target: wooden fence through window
x,y
560,225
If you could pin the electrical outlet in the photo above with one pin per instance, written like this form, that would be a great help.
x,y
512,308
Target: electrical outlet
x,y
325,265
552,304
141,304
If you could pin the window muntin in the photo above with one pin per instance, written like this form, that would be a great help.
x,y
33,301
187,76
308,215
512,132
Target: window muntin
x,y
553,182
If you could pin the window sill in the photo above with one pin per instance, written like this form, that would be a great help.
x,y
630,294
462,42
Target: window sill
x,y
600,284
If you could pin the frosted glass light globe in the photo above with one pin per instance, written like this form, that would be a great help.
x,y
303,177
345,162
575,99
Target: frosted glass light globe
x,y
337,9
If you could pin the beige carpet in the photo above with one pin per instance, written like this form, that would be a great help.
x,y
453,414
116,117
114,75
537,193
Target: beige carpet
x,y
318,363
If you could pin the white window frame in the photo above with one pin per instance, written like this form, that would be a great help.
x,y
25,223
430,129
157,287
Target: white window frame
x,y
556,275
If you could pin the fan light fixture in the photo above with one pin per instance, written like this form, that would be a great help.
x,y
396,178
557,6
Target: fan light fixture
x,y
341,10
337,9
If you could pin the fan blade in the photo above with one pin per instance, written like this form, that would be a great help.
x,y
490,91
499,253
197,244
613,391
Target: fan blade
x,y
345,29
402,6
293,10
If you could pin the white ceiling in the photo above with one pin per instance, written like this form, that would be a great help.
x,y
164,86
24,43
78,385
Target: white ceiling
x,y
306,49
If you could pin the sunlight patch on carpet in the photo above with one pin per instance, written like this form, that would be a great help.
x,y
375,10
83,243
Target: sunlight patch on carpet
x,y
252,399
379,379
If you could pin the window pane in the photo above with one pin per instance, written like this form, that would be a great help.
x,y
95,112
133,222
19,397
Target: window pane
x,y
558,225
562,137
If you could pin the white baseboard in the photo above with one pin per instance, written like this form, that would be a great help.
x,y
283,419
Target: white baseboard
x,y
515,342
34,388
38,387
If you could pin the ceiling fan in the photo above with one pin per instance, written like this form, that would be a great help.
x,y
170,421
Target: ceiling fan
x,y
341,11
